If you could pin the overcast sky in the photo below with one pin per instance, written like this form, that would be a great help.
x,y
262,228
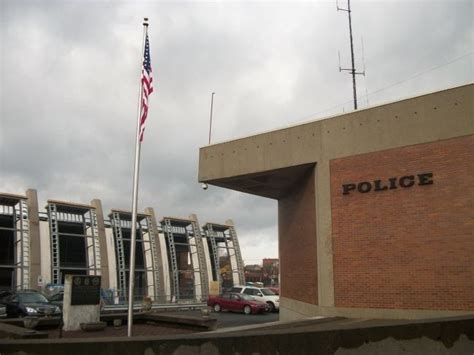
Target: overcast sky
x,y
69,81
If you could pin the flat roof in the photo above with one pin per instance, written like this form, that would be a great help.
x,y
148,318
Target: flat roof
x,y
70,207
10,199
127,215
177,221
217,227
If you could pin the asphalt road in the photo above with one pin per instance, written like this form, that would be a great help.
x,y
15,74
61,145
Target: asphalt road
x,y
230,319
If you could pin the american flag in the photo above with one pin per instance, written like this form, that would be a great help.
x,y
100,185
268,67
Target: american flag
x,y
147,87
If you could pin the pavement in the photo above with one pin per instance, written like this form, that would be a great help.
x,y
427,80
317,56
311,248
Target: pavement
x,y
145,324
110,331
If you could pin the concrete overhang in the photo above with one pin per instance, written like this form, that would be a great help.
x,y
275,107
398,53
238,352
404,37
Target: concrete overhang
x,y
268,164
273,184
177,221
10,199
70,207
126,215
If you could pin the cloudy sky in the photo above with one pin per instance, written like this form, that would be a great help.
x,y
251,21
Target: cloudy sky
x,y
69,81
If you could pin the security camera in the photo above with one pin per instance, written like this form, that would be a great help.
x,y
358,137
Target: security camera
x,y
204,186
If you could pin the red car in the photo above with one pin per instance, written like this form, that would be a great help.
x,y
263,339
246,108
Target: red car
x,y
237,302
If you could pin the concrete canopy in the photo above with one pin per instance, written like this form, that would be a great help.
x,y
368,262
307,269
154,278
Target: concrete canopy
x,y
273,184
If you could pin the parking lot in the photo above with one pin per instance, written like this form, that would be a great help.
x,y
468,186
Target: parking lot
x,y
230,319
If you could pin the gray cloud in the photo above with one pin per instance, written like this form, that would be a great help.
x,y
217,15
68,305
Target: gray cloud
x,y
69,79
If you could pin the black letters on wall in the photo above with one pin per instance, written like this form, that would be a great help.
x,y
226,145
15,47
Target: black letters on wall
x,y
391,183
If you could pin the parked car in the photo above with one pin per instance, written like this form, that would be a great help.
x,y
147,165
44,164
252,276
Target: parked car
x,y
3,311
237,302
263,293
57,299
275,290
29,303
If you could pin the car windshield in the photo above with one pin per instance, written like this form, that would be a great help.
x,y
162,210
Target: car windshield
x,y
267,292
32,298
57,297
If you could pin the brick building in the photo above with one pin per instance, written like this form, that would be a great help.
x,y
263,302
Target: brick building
x,y
375,207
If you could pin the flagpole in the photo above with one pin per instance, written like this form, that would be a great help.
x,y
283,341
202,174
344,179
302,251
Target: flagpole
x,y
131,279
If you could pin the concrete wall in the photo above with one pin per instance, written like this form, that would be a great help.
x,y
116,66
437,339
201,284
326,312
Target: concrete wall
x,y
440,337
45,252
35,242
272,163
112,261
297,245
104,257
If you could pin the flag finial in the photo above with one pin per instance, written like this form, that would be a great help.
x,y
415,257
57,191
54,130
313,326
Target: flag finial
x,y
145,21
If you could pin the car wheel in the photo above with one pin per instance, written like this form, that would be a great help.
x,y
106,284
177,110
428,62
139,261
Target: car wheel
x,y
247,310
271,307
217,307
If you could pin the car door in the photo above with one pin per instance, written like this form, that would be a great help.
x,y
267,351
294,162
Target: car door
x,y
225,301
236,303
12,304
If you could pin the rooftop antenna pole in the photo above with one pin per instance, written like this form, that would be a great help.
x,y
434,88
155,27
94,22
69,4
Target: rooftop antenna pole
x,y
352,70
210,119
365,79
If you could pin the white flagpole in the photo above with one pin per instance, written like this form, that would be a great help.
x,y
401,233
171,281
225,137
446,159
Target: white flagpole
x,y
131,279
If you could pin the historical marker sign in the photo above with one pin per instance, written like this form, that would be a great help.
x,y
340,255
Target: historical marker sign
x,y
85,290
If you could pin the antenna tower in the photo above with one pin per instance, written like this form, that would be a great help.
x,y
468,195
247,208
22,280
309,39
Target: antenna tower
x,y
352,70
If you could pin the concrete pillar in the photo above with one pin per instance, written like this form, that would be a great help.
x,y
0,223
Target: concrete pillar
x,y
104,259
161,297
324,234
35,249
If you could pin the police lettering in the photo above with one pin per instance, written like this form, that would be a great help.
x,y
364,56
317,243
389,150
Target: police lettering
x,y
388,184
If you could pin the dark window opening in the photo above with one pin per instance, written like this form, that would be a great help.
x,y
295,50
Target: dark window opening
x,y
6,221
71,228
72,251
213,265
139,257
139,286
7,249
127,234
72,248
6,278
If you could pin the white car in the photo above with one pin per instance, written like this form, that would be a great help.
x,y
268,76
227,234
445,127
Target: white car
x,y
261,293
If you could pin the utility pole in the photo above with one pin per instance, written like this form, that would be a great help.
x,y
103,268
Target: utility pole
x,y
352,70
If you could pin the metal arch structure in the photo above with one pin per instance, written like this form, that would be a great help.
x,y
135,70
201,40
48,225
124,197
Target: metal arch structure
x,y
225,234
186,233
121,221
16,208
84,216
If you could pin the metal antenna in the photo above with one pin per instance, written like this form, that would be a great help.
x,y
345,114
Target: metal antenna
x,y
352,70
210,116
363,61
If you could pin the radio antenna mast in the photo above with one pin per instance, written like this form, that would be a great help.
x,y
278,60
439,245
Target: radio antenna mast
x,y
352,70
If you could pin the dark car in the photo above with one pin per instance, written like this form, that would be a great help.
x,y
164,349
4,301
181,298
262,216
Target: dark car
x,y
29,303
237,302
57,299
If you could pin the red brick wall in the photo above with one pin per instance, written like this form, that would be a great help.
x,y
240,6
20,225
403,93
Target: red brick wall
x,y
297,242
407,248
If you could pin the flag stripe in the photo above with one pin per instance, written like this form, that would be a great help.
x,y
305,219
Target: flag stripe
x,y
147,87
